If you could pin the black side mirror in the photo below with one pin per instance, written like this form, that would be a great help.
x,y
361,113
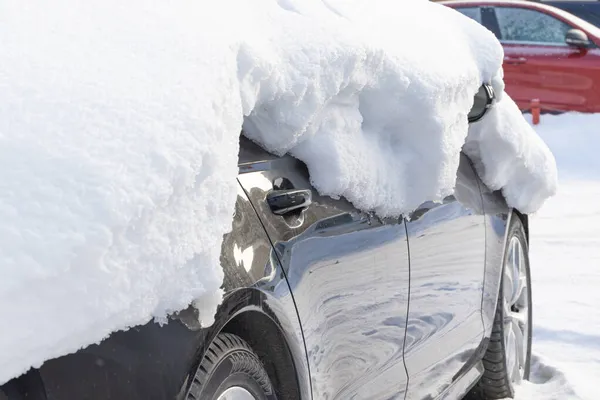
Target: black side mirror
x,y
482,102
577,38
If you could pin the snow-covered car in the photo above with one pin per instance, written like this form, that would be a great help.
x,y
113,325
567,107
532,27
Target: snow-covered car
x,y
326,301
373,220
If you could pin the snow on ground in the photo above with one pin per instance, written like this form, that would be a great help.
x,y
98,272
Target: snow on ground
x,y
565,256
119,125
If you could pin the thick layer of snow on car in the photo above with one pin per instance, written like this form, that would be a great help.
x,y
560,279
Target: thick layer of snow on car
x,y
119,139
510,156
565,254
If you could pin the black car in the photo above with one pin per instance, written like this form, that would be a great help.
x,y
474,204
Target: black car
x,y
324,301
588,10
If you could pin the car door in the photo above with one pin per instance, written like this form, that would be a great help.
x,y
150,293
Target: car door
x,y
349,276
447,256
538,64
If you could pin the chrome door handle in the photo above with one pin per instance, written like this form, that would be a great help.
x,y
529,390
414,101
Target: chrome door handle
x,y
282,202
515,60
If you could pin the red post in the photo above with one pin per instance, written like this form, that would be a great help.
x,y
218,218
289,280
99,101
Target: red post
x,y
535,111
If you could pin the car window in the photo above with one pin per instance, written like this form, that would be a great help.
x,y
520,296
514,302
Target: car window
x,y
523,25
471,12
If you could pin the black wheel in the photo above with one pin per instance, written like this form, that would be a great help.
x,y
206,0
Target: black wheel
x,y
230,370
508,357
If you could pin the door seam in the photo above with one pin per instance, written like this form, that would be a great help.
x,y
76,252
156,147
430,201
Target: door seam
x,y
407,311
288,283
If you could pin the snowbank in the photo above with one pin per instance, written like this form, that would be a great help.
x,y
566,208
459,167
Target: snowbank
x,y
545,382
119,125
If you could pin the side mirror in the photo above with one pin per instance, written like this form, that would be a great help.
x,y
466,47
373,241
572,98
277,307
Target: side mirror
x,y
482,102
577,38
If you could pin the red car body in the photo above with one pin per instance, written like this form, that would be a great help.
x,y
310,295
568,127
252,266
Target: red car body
x,y
538,63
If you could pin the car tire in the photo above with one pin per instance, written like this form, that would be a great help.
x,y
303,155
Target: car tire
x,y
230,370
504,363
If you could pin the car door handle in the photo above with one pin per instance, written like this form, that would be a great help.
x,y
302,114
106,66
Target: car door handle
x,y
515,60
284,201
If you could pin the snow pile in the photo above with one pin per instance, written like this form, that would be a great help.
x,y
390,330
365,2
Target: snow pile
x,y
510,156
366,106
545,382
119,126
118,157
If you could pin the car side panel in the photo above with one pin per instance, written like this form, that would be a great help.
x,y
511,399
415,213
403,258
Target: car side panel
x,y
497,220
447,256
561,77
153,361
520,83
349,275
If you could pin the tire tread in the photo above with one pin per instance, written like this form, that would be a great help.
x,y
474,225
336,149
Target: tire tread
x,y
245,361
495,382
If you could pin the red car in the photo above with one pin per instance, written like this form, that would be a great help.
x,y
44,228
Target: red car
x,y
549,54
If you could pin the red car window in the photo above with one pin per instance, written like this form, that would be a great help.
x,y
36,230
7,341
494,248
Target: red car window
x,y
524,25
471,12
